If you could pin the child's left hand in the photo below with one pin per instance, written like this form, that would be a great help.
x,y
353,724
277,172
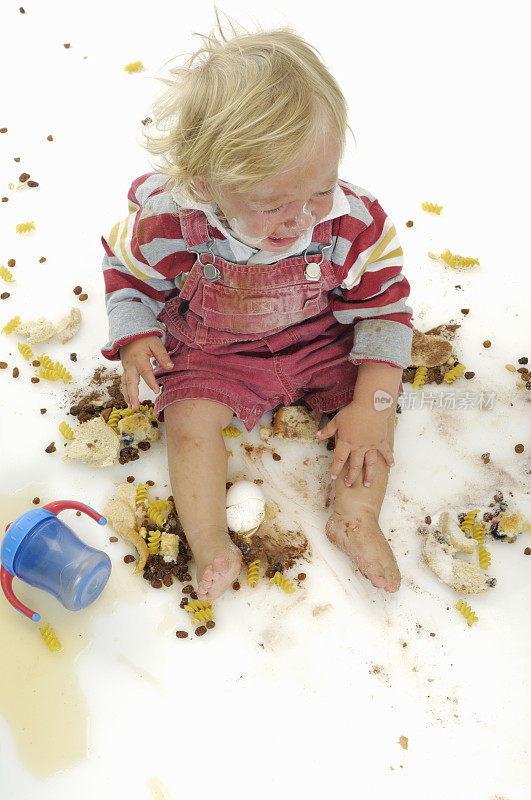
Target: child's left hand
x,y
361,434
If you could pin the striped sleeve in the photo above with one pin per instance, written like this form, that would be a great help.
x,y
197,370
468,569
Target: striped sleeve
x,y
368,259
144,264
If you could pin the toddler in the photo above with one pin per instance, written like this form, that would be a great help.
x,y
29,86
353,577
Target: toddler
x,y
255,277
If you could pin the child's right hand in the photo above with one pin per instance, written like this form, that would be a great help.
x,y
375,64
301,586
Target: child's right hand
x,y
135,358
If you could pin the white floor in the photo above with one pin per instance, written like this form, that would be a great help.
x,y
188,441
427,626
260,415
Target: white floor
x,y
277,698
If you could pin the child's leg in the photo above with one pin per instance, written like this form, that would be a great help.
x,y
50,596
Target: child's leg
x,y
353,526
197,460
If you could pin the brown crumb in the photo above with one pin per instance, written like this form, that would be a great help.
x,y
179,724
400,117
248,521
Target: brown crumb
x,y
11,262
527,551
485,457
113,538
22,12
403,742
5,295
32,184
73,356
42,260
236,585
50,138
200,630
301,576
427,520
5,199
36,500
83,296
35,380
17,159
77,289
144,445
128,559
150,483
258,481
3,364
469,375
78,513
404,644
36,363
409,223
15,372
130,479
23,177
210,623
465,310
432,634
276,457
156,583
3,130
50,448
519,448
43,411
486,343
66,45
181,634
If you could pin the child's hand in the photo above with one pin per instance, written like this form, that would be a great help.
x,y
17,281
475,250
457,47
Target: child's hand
x,y
135,358
361,433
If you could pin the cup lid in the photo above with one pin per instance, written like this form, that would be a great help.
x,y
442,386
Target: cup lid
x,y
17,531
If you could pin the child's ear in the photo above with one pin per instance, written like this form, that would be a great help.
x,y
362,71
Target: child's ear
x,y
202,186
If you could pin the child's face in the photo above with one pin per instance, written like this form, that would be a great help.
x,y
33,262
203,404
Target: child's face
x,y
286,205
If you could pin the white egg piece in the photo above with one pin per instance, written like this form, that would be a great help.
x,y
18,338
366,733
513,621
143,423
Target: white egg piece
x,y
245,506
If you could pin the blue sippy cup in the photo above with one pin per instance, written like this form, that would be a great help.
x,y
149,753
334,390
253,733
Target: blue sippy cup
x,y
41,550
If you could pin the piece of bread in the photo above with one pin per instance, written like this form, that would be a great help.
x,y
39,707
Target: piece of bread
x,y
94,442
68,326
137,428
439,550
39,330
429,350
120,513
295,422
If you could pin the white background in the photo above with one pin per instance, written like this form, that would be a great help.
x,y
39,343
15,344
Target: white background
x,y
438,98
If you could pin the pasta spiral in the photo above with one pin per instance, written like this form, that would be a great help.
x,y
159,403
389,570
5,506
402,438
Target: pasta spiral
x,y
456,261
66,430
484,557
155,515
434,208
420,377
25,351
126,412
153,541
253,573
231,432
150,411
24,227
6,275
48,634
478,532
133,66
466,611
141,495
10,326
469,520
160,505
198,605
454,373
284,584
46,361
114,416
62,372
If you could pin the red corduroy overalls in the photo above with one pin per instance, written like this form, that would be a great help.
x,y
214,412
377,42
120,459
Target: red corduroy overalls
x,y
256,336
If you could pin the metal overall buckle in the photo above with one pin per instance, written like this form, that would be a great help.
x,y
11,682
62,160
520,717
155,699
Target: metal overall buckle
x,y
210,271
313,268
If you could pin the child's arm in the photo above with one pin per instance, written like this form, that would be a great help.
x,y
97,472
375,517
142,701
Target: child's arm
x,y
139,265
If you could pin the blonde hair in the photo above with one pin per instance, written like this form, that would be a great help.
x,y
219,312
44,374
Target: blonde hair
x,y
243,112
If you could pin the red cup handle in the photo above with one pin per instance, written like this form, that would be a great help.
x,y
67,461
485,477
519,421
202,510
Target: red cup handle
x,y
6,580
58,505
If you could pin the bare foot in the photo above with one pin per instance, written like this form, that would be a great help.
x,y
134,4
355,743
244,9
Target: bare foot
x,y
218,562
361,538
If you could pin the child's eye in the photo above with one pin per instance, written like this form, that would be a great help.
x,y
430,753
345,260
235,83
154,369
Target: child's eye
x,y
274,210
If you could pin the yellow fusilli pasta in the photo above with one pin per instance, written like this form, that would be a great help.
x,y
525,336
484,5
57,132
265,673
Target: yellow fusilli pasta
x,y
469,520
229,453
203,615
198,605
48,634
155,515
114,416
484,557
283,582
66,430
46,361
253,573
6,275
62,372
478,532
24,227
126,412
434,208
466,611
25,351
454,373
420,377
10,326
133,66
456,261
231,432
153,541
141,495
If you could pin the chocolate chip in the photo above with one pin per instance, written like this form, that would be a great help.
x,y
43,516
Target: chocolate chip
x,y
200,630
519,448
276,457
409,223
128,559
36,500
181,634
236,585
486,343
77,289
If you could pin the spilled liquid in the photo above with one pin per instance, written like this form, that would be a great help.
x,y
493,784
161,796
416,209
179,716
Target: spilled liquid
x,y
40,695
